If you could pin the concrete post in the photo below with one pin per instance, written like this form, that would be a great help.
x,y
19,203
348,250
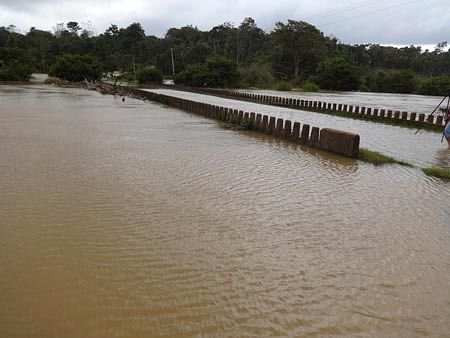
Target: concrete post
x,y
304,137
287,129
279,128
295,135
339,107
421,117
363,110
382,113
240,116
412,116
430,119
404,115
265,124
375,112
271,127
389,114
334,106
258,122
396,115
439,120
369,111
314,139
356,109
345,108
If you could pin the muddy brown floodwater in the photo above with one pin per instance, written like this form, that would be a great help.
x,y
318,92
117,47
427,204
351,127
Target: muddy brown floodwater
x,y
138,220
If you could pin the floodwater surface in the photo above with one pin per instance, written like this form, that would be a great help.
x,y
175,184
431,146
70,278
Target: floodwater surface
x,y
132,219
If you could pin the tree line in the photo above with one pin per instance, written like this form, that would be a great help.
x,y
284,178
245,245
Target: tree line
x,y
294,53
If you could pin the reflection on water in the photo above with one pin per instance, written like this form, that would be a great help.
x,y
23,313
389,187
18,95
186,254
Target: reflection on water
x,y
402,143
137,220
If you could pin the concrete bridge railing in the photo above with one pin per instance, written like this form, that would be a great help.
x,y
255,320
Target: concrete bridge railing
x,y
335,141
369,112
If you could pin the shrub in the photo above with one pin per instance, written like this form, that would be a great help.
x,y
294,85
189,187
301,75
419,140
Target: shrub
x,y
398,81
149,75
18,64
439,86
283,86
73,67
338,74
259,76
216,72
310,87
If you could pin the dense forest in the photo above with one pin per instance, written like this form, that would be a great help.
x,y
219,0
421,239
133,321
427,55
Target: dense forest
x,y
293,54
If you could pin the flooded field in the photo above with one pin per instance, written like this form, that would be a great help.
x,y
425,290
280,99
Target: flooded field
x,y
131,219
403,102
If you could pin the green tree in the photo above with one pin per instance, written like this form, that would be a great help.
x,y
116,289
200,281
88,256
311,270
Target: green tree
x,y
17,64
149,75
72,67
298,47
338,74
216,72
439,85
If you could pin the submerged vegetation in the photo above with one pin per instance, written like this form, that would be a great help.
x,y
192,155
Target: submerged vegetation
x,y
441,173
293,54
377,158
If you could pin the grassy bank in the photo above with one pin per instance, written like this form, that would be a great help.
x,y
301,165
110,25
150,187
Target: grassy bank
x,y
377,158
441,173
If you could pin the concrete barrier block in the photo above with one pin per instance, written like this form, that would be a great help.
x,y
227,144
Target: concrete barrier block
x,y
295,135
314,138
240,116
271,127
279,128
304,137
265,124
258,121
287,129
339,142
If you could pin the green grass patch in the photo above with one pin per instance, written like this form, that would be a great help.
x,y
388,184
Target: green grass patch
x,y
377,158
441,173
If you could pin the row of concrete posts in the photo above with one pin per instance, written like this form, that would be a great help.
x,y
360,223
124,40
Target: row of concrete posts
x,y
336,107
336,141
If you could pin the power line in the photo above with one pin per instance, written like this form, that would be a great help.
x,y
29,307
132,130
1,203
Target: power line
x,y
368,13
351,7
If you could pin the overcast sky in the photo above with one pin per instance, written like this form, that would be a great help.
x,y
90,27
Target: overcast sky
x,y
398,22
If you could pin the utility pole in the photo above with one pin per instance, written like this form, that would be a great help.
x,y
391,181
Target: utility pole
x,y
173,62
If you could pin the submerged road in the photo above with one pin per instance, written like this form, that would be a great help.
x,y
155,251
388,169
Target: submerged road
x,y
423,150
